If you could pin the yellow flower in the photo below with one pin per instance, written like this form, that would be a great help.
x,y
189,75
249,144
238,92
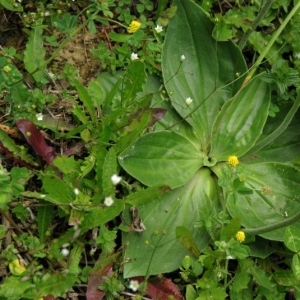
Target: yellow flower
x,y
7,69
15,267
240,236
134,26
233,160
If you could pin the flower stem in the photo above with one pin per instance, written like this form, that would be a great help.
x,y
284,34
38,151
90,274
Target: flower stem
x,y
272,41
255,23
272,227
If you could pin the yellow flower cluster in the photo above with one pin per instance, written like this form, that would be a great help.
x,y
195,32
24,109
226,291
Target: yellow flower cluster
x,y
16,268
7,69
134,26
240,236
233,160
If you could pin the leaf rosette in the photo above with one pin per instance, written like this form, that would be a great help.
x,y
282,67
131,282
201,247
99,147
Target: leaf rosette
x,y
191,145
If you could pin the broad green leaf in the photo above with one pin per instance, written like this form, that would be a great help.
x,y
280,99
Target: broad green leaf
x,y
261,248
146,252
241,120
296,266
209,72
276,195
292,238
162,158
173,121
283,148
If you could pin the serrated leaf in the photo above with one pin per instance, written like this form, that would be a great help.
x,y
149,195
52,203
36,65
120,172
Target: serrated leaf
x,y
134,79
67,165
86,99
96,92
34,55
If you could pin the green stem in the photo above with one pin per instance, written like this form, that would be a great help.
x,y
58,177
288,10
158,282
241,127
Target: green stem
x,y
271,227
255,23
287,120
272,41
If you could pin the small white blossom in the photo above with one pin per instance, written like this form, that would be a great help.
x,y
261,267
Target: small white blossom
x,y
134,56
158,28
115,179
65,251
229,257
39,116
188,100
108,201
182,57
76,191
297,55
134,285
47,13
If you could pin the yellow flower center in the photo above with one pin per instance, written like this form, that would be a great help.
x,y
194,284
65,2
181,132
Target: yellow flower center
x,y
134,26
233,160
240,236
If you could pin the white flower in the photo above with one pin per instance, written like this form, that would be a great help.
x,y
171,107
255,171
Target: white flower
x,y
188,100
134,285
76,191
158,28
65,251
182,57
108,201
39,116
134,56
229,257
115,179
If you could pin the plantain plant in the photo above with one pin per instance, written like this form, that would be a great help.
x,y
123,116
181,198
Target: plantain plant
x,y
216,148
